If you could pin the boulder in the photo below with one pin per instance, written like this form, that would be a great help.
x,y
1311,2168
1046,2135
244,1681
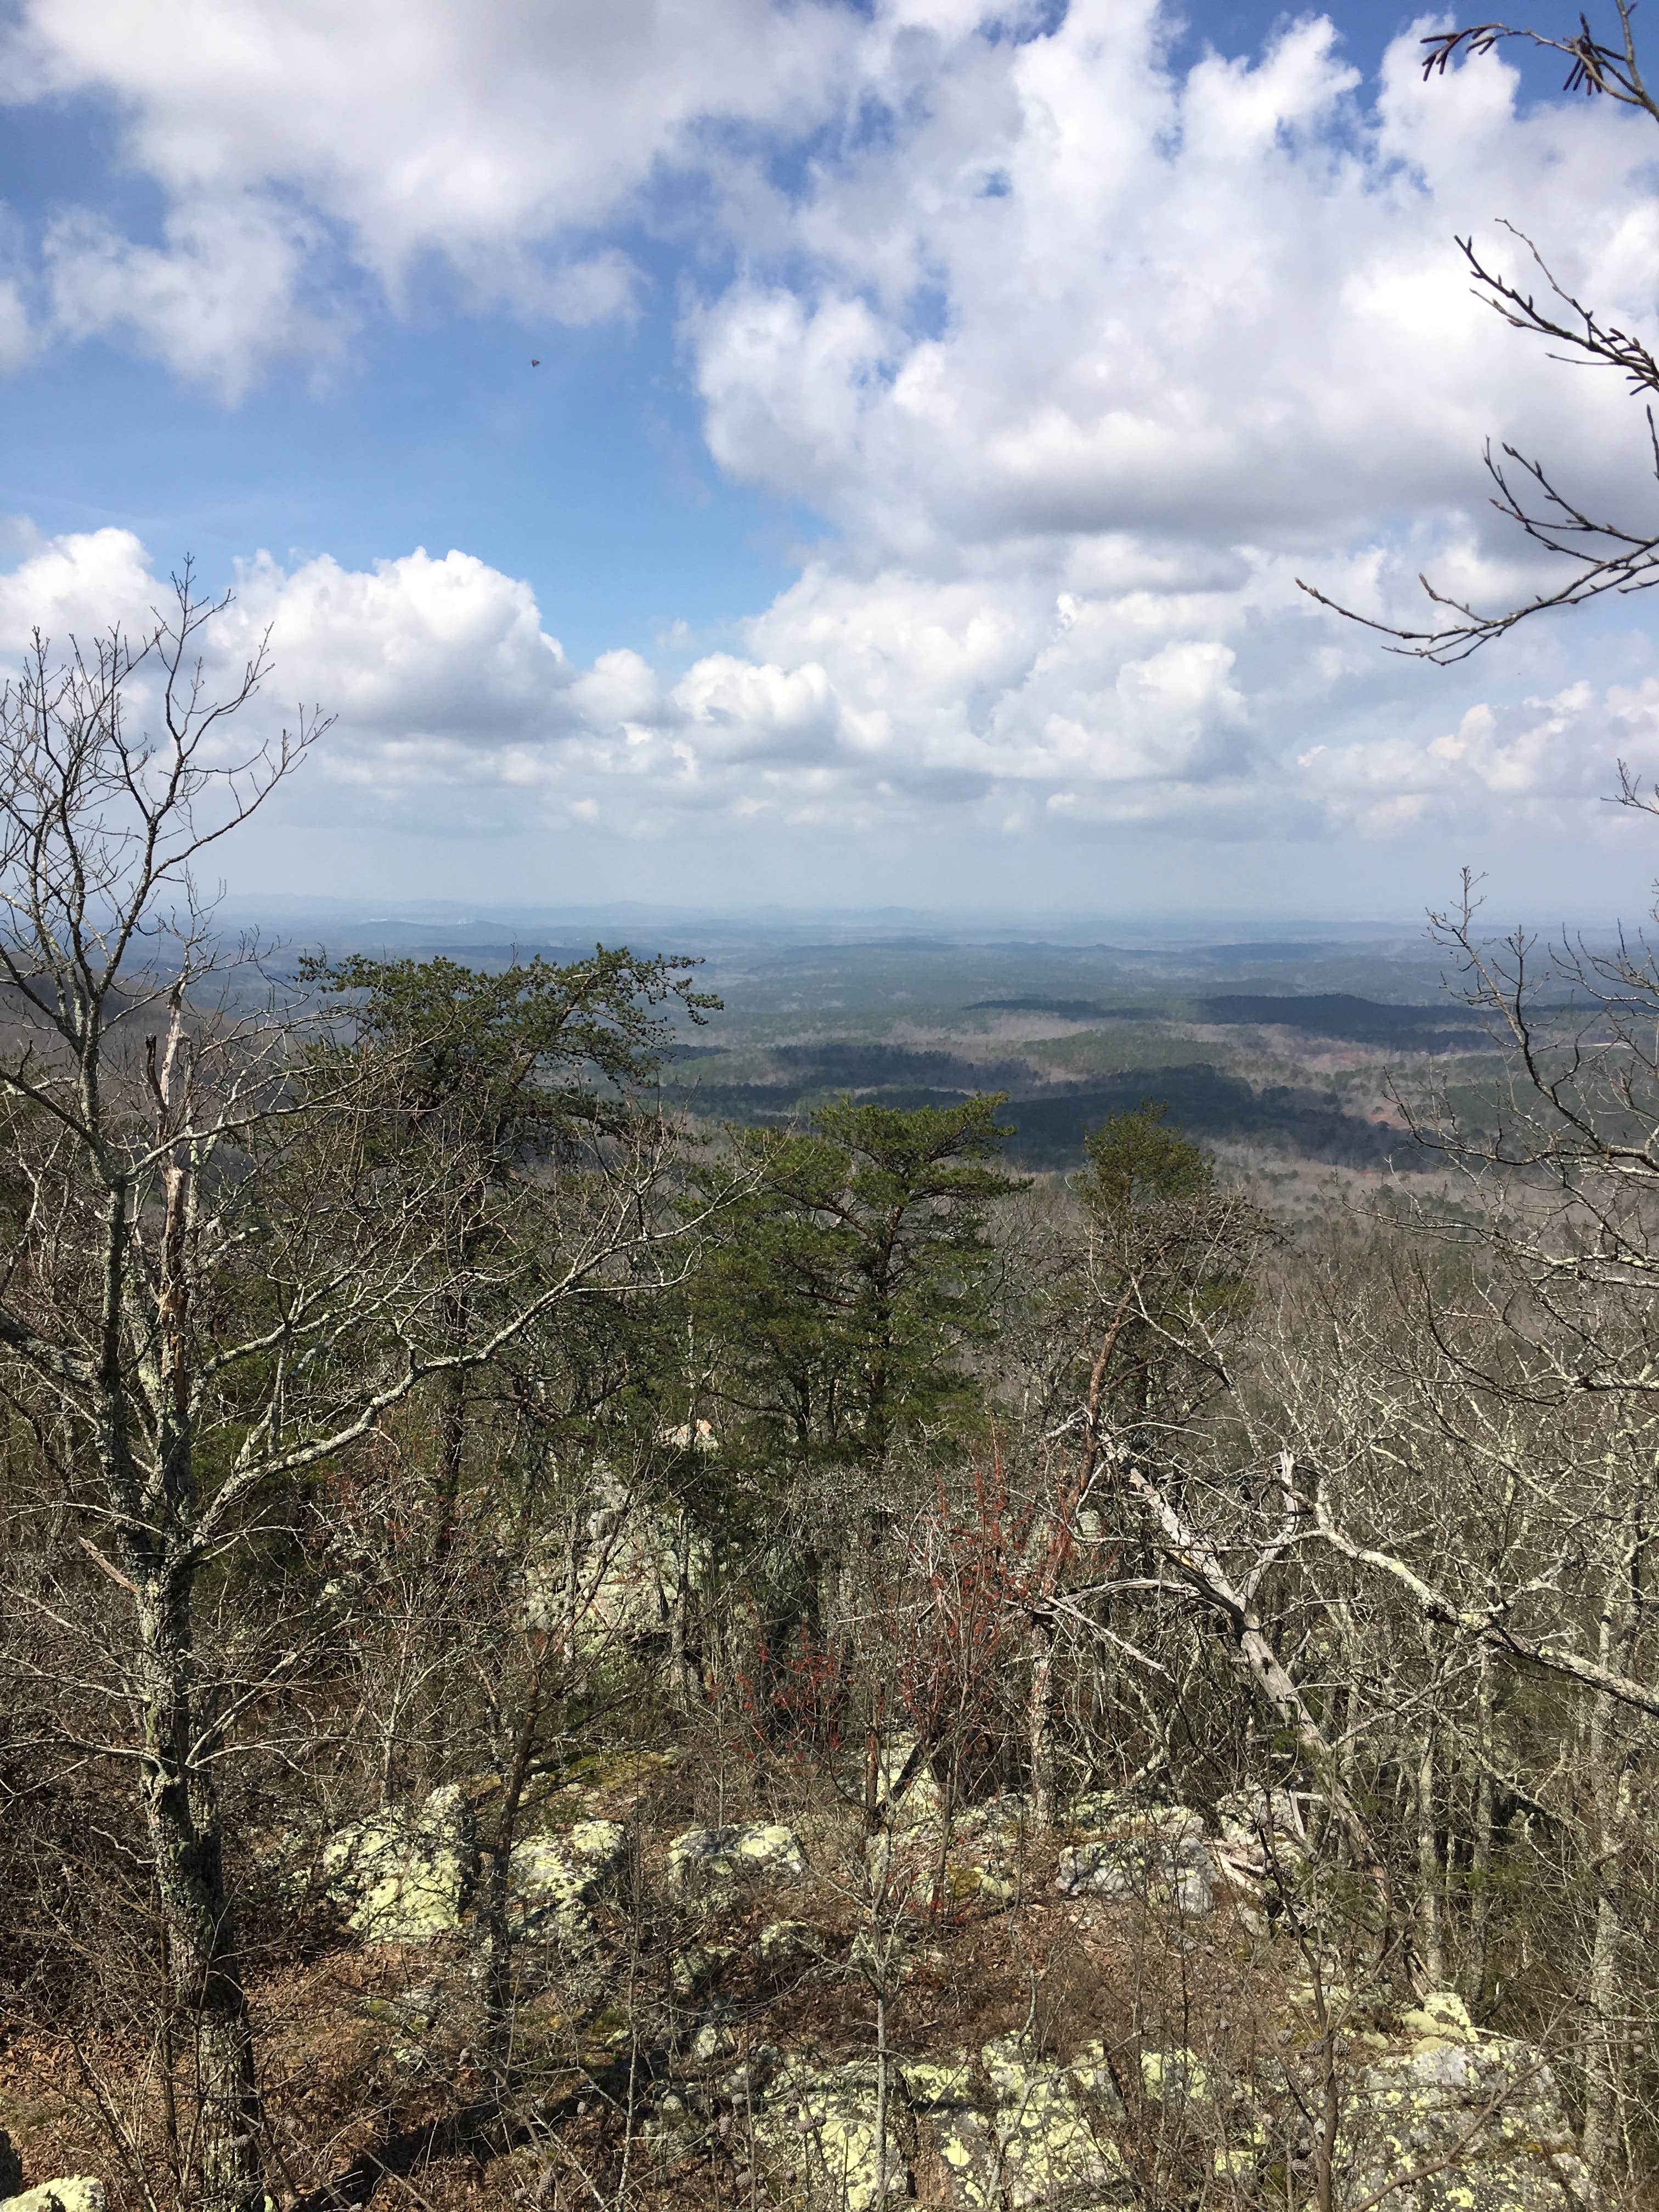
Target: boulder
x,y
629,1569
553,1881
987,1847
985,1858
1260,1831
1055,2128
11,2168
923,1801
1047,2138
74,2192
816,2137
1158,1853
1098,1810
786,1943
1479,2116
696,1970
406,1873
723,1864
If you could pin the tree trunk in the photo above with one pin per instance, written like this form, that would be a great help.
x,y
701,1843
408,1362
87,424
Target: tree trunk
x,y
207,1997
1604,2035
451,1449
1480,1848
685,1677
1605,2038
180,1797
1431,1947
1040,1724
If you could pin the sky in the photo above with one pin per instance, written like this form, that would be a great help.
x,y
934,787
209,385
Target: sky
x,y
935,407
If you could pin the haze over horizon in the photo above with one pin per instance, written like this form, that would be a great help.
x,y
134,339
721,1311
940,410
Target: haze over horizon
x,y
934,406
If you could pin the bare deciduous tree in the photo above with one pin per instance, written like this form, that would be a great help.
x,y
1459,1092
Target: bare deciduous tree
x,y
227,1261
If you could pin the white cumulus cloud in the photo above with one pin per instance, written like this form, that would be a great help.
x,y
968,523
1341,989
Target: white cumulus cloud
x,y
1083,356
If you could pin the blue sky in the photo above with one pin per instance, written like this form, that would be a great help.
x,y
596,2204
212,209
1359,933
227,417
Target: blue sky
x,y
935,408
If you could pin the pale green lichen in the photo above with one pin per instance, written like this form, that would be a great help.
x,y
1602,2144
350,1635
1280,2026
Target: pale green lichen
x,y
1157,1853
554,1880
697,1968
406,1873
1481,2111
74,2192
721,1863
1055,2125
1436,2115
818,2137
786,1943
929,2081
1175,2075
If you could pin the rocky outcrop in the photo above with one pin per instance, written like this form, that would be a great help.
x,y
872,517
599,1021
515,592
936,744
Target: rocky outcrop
x,y
636,1560
1012,2132
1434,2116
1450,2119
1432,2113
696,1970
74,2192
554,1882
819,2136
407,1873
1046,2135
986,1851
1159,1853
721,1865
410,1872
786,1943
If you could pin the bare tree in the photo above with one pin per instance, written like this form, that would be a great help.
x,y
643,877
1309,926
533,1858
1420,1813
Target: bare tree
x,y
226,1262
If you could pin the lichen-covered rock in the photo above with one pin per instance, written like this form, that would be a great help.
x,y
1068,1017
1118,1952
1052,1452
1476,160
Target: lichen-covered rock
x,y
406,1873
966,2141
987,1849
1208,2109
818,2139
636,1561
554,1880
1260,1832
713,2041
786,1943
74,2192
1159,1853
1056,2126
696,1970
941,2093
922,1799
721,1864
984,1859
752,2076
1478,2117
1047,2139
1096,1811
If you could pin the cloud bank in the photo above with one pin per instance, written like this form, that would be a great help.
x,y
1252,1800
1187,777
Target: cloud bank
x,y
1082,356
457,706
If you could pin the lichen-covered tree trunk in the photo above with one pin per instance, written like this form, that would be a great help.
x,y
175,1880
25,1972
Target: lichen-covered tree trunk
x,y
1480,1849
1605,2036
1431,1949
181,1811
1040,1723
